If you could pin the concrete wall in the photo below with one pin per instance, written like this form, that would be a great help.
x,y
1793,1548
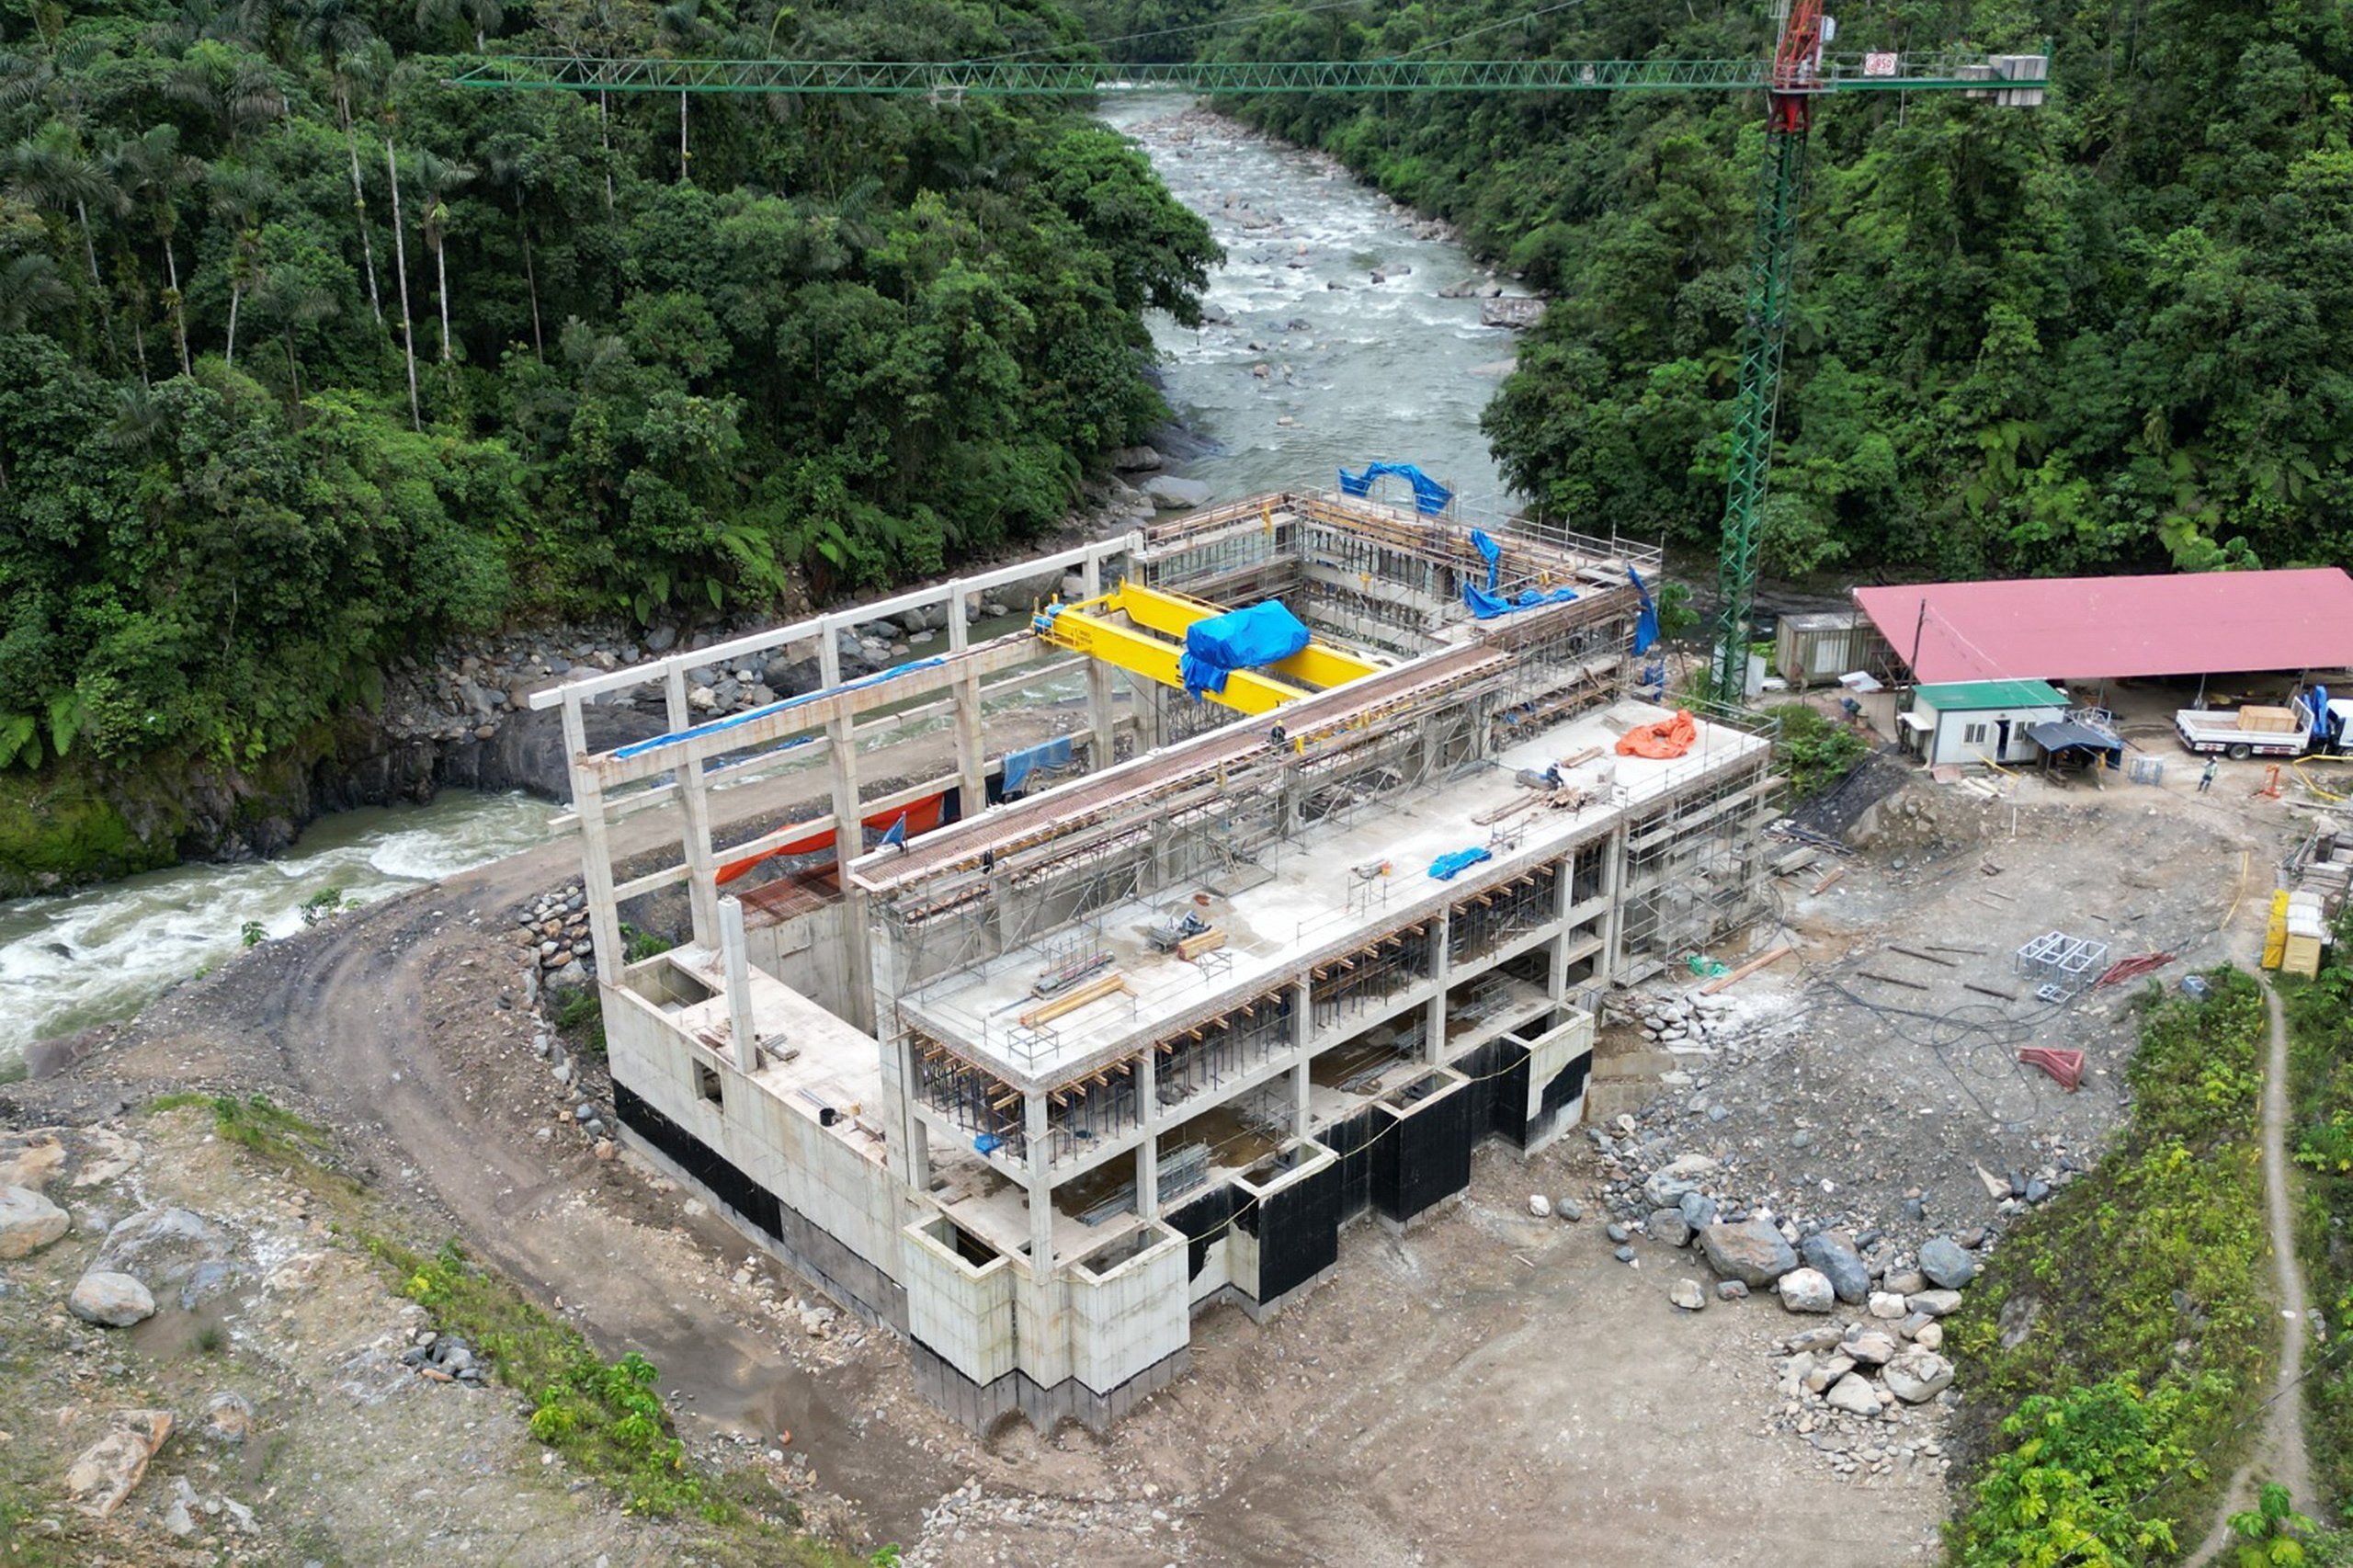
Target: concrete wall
x,y
1127,1315
1549,1056
851,1206
962,1311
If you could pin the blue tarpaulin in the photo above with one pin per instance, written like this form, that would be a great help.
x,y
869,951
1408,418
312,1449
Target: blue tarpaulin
x,y
1018,765
1486,603
1238,639
1447,867
1429,495
1645,624
1485,606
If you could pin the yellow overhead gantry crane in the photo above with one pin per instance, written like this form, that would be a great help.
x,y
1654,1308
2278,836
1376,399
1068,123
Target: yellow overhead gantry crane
x,y
1152,645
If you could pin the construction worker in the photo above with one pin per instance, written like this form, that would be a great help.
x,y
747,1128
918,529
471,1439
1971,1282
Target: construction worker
x,y
2206,779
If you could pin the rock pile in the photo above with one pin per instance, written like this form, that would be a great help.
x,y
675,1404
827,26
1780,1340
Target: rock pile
x,y
444,1359
1682,1024
1845,1384
555,927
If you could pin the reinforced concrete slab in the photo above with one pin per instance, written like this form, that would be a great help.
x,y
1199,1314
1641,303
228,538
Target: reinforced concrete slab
x,y
1306,901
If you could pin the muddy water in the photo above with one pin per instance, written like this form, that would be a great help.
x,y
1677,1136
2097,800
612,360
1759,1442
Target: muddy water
x,y
1365,371
102,953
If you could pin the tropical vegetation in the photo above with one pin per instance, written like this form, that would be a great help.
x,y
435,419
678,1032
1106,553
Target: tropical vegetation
x,y
2099,334
309,358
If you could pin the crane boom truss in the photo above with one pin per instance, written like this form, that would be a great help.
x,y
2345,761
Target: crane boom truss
x,y
1887,73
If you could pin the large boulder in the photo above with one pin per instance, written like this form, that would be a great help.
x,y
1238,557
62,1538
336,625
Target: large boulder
x,y
98,1481
1173,495
110,1301
1834,1253
1947,1263
1853,1395
1917,1376
1806,1291
1750,1251
170,1247
1135,460
1668,1225
1873,1347
28,1222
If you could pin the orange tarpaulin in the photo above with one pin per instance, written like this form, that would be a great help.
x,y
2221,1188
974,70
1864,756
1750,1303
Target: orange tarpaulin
x,y
922,817
1669,737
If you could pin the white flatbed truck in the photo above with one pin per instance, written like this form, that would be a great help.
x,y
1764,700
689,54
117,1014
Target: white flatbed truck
x,y
2213,731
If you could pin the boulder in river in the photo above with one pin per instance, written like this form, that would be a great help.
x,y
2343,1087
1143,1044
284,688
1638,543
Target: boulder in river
x,y
1170,493
1135,460
1516,313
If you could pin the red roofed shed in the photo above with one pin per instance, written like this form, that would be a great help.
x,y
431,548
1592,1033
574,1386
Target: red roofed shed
x,y
2080,628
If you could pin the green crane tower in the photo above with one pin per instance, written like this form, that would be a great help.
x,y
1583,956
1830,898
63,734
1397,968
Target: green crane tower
x,y
1801,70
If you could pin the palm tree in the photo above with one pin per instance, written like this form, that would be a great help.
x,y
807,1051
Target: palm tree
x,y
440,179
241,194
247,93
353,55
295,299
30,292
484,17
153,171
512,167
679,28
49,170
400,266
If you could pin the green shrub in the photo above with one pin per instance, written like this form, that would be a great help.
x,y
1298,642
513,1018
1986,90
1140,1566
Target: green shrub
x,y
2320,1085
2146,1281
1812,750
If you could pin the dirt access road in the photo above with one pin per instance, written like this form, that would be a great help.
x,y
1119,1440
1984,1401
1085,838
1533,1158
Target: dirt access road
x,y
2280,1453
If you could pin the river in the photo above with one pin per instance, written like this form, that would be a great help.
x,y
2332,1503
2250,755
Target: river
x,y
1364,371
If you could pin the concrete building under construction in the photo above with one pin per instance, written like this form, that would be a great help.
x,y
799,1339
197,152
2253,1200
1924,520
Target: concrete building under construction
x,y
1119,1001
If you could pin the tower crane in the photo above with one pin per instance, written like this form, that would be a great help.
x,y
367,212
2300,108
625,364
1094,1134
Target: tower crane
x,y
1801,70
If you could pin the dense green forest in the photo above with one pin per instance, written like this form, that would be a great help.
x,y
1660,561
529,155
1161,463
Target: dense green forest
x,y
307,358
2111,332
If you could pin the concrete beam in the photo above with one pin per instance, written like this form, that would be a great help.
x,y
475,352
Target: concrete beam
x,y
953,592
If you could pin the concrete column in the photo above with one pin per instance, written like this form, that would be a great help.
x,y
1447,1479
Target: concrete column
x,y
849,842
1100,712
1613,922
1148,1151
1302,1026
740,1031
702,886
1557,970
596,875
960,632
972,751
1441,966
1042,1189
910,1153
829,651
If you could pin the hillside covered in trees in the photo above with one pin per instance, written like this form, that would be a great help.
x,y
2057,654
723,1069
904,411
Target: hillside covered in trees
x,y
2108,334
307,358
